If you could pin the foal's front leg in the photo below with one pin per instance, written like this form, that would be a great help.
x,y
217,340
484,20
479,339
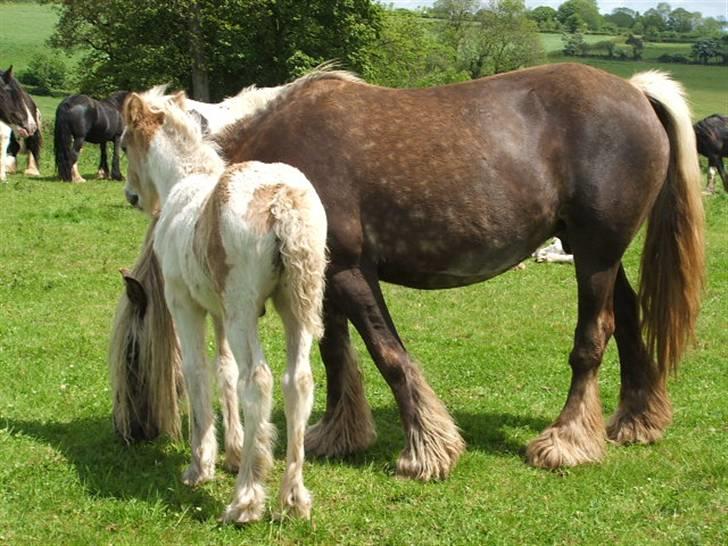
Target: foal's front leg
x,y
189,318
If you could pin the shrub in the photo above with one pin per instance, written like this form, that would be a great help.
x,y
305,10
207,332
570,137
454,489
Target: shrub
x,y
45,72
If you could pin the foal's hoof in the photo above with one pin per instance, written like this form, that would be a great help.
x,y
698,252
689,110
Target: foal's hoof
x,y
31,172
195,475
296,503
248,506
560,446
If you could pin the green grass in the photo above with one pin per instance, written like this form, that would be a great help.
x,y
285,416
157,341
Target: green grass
x,y
496,353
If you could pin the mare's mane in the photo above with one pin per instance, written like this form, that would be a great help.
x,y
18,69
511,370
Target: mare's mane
x,y
323,72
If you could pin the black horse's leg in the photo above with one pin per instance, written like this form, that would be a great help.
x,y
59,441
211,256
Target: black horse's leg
x,y
433,442
721,171
103,172
75,153
347,426
115,169
577,435
32,143
644,406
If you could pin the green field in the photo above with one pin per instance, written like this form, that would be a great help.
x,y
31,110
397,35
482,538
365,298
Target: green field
x,y
496,353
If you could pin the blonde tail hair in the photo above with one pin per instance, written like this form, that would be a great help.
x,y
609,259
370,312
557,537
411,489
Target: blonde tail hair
x,y
673,260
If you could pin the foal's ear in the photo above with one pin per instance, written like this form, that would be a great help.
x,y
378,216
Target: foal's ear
x,y
179,99
7,76
135,292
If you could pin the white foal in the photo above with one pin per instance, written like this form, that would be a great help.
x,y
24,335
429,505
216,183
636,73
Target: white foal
x,y
227,239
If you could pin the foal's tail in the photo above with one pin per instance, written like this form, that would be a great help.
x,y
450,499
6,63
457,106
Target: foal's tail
x,y
300,226
62,143
673,260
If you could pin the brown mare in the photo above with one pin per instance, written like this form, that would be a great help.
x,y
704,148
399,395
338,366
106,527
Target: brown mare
x,y
449,186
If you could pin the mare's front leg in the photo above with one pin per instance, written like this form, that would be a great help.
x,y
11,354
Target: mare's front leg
x,y
4,140
103,172
298,396
115,169
189,319
433,442
255,391
347,426
227,374
32,144
577,435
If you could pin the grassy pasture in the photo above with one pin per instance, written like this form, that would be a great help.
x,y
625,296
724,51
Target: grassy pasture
x,y
496,353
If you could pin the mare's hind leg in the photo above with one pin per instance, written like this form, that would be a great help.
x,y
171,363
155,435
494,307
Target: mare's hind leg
x,y
644,407
115,169
103,172
433,442
227,374
577,435
73,158
347,426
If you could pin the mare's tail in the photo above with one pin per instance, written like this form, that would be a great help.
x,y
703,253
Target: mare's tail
x,y
62,140
300,226
673,259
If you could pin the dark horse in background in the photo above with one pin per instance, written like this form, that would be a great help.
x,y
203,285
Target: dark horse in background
x,y
711,134
19,112
428,188
80,118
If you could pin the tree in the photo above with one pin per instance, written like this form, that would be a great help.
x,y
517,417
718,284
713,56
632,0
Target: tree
x,y
622,17
681,20
706,49
408,54
134,44
545,17
456,14
586,10
504,39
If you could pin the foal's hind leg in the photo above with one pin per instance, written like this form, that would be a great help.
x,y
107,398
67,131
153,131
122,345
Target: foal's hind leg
x,y
298,396
347,426
255,391
644,407
227,374
577,435
433,442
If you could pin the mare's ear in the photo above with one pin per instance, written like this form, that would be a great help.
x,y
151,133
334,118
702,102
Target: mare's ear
x,y
179,99
8,75
135,292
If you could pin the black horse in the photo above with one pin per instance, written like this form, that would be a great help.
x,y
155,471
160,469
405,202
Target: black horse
x,y
80,118
711,134
21,114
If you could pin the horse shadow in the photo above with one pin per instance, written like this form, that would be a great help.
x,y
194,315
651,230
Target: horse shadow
x,y
148,471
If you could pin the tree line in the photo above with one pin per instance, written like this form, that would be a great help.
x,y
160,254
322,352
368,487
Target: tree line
x,y
212,48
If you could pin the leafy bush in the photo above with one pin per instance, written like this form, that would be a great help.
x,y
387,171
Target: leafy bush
x,y
45,72
674,58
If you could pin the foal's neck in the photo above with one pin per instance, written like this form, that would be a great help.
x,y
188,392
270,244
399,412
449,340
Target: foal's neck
x,y
175,162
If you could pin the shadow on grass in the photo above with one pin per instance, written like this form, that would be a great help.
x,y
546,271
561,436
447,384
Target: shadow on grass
x,y
148,471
